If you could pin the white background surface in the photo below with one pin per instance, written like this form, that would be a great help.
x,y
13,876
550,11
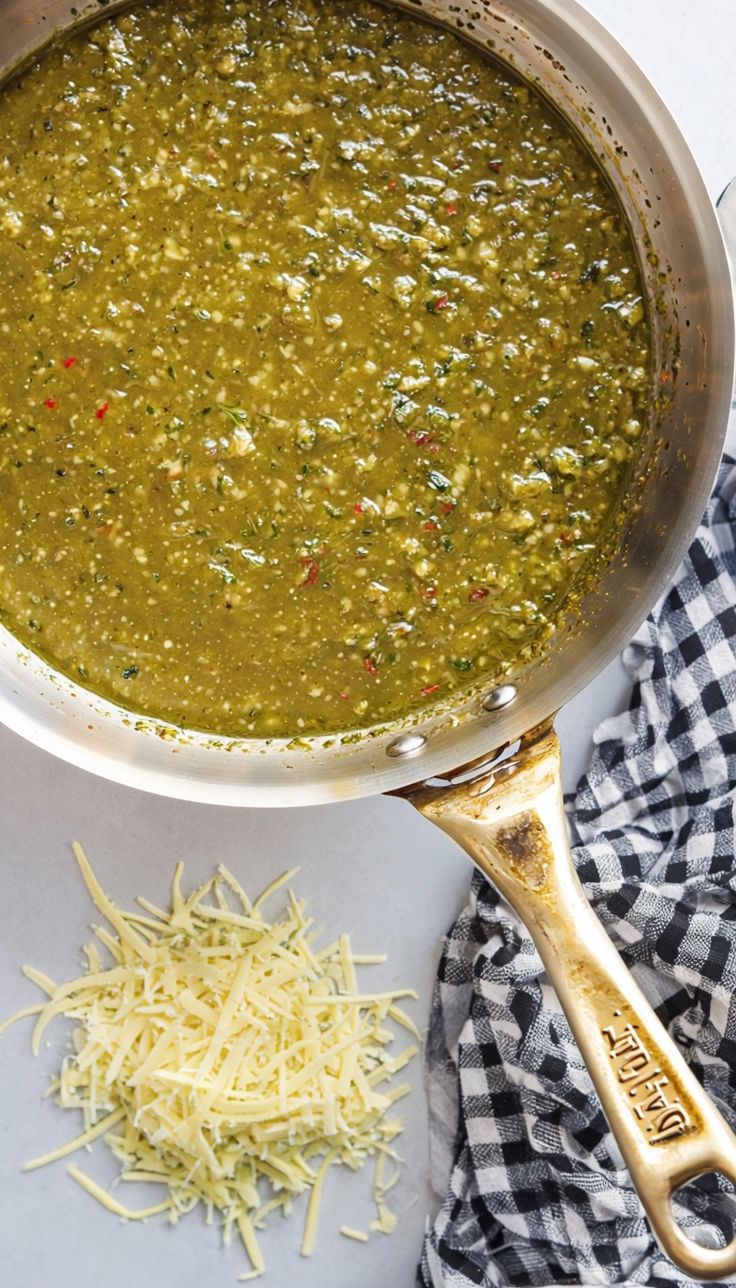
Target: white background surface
x,y
372,867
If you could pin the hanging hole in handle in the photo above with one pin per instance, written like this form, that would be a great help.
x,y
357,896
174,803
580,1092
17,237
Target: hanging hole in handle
x,y
704,1208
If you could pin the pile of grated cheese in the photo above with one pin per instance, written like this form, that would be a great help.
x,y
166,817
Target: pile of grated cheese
x,y
226,1057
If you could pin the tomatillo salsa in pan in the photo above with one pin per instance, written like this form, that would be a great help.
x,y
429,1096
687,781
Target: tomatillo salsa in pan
x,y
325,357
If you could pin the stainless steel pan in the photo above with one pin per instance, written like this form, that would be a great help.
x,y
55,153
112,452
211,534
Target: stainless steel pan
x,y
509,816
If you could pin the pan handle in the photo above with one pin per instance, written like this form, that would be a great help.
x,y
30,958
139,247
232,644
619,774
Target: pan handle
x,y
511,822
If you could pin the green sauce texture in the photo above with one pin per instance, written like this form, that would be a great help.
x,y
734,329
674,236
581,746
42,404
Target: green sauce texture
x,y
325,358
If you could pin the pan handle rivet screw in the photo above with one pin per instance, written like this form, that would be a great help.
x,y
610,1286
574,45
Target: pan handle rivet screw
x,y
407,744
500,697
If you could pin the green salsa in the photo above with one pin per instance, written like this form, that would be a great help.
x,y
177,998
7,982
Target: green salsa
x,y
325,358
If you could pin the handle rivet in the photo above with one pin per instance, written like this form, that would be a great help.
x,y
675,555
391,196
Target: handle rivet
x,y
500,697
407,744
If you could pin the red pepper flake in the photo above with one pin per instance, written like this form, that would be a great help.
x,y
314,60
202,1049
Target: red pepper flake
x,y
212,153
392,184
665,377
566,538
69,362
421,436
312,570
51,403
447,507
344,697
441,303
431,525
451,208
358,508
102,411
495,166
429,592
370,666
480,592
428,689
556,275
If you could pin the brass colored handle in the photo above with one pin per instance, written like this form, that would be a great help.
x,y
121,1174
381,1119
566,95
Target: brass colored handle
x,y
511,822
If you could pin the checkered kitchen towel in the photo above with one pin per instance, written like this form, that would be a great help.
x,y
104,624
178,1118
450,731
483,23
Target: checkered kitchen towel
x,y
538,1194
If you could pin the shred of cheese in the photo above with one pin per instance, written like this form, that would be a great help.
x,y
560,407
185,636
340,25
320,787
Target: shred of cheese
x,y
21,1015
235,1060
84,1138
112,1204
360,1236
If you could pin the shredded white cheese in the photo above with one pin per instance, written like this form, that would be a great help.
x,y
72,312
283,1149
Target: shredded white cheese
x,y
360,1236
226,1057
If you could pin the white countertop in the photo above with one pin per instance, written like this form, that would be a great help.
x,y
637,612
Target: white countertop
x,y
372,867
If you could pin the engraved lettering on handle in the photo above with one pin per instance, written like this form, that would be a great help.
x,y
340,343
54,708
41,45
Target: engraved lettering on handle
x,y
661,1117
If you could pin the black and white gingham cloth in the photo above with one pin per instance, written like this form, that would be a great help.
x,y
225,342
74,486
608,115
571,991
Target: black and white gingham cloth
x,y
537,1192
